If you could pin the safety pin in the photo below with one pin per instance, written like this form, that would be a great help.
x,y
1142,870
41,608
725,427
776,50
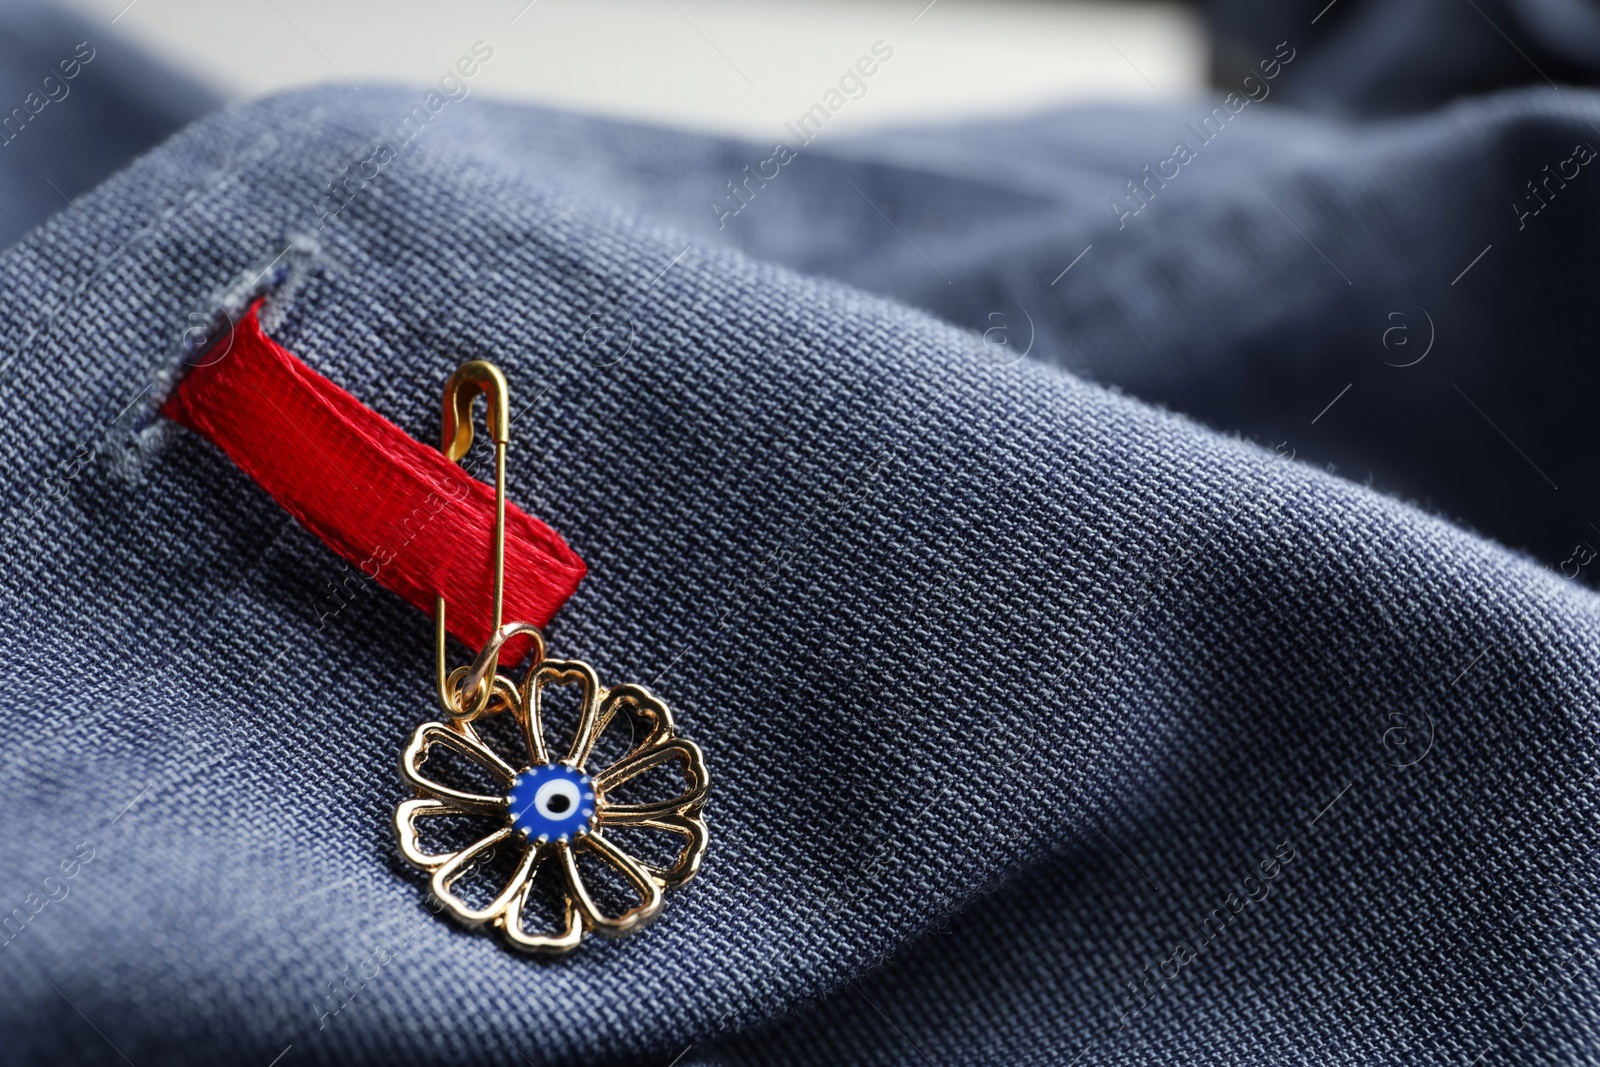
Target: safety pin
x,y
552,808
462,389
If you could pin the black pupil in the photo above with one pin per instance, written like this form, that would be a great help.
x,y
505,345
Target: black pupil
x,y
560,803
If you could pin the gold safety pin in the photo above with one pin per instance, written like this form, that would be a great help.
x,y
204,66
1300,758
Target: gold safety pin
x,y
470,379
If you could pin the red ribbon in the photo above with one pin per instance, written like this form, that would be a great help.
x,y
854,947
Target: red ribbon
x,y
406,516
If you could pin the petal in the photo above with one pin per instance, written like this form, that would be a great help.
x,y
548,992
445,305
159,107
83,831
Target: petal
x,y
458,865
557,672
461,738
550,943
405,824
697,781
691,828
649,891
639,704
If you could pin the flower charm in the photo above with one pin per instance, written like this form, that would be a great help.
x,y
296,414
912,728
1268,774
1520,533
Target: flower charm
x,y
554,812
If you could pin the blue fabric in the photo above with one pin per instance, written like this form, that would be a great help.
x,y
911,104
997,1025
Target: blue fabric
x,y
1396,57
1047,724
72,109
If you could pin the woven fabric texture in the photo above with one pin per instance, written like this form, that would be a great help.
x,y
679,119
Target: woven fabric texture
x,y
1044,722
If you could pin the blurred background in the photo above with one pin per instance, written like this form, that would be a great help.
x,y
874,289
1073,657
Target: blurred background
x,y
715,65
737,68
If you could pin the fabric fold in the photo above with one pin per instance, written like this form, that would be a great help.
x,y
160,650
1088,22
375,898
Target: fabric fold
x,y
1010,678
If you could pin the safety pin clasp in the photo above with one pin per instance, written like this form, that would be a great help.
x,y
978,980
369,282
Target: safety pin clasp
x,y
463,387
460,391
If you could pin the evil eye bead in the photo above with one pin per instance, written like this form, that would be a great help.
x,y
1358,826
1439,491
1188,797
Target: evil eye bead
x,y
551,802
556,799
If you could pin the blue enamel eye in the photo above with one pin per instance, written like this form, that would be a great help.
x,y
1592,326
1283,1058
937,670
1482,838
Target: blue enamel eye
x,y
551,802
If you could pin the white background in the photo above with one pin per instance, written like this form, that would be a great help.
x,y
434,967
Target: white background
x,y
741,68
